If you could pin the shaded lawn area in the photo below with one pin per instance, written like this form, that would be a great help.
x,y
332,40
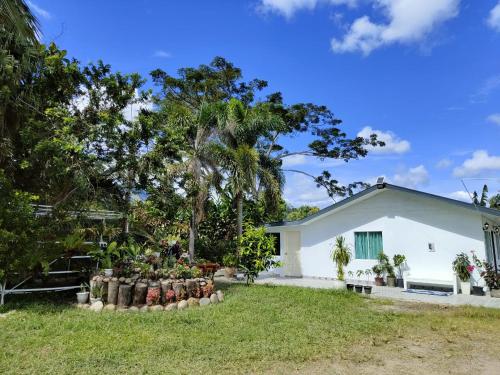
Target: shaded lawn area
x,y
257,329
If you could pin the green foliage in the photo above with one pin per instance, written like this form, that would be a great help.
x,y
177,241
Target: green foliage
x,y
300,213
460,266
256,252
378,269
230,260
25,240
341,255
399,260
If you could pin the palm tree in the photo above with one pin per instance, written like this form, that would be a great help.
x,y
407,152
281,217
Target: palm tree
x,y
16,16
240,127
341,255
484,197
198,167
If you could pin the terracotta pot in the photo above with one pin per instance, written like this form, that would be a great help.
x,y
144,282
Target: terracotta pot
x,y
379,281
229,272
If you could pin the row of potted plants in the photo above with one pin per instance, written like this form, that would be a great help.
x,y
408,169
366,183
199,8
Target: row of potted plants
x,y
465,268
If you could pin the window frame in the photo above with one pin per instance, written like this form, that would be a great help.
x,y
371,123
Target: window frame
x,y
367,233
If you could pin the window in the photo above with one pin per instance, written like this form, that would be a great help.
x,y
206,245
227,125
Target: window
x,y
367,245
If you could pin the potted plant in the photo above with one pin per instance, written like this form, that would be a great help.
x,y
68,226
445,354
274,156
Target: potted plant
x,y
492,279
477,290
368,287
230,263
350,286
378,270
359,287
463,268
83,295
341,255
391,276
96,293
399,260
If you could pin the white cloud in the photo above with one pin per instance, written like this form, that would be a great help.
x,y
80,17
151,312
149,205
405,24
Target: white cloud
x,y
39,11
480,162
413,177
300,190
444,163
294,160
494,18
162,54
494,118
488,86
410,21
393,144
288,8
460,195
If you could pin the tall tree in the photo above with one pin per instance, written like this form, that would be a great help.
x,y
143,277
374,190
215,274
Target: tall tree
x,y
484,197
189,102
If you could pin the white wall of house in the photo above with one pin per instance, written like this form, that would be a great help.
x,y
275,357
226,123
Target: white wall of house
x,y
408,223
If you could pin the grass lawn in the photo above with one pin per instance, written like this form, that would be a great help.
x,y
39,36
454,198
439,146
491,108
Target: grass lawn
x,y
258,329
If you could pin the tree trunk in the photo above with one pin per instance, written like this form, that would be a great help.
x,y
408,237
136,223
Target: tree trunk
x,y
193,234
2,292
140,291
124,295
239,206
113,286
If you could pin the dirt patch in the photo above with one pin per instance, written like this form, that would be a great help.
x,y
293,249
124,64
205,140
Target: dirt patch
x,y
447,344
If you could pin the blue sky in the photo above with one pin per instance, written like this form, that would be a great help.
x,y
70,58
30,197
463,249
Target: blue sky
x,y
424,74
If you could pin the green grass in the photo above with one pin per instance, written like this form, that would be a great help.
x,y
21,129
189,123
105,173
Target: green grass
x,y
254,329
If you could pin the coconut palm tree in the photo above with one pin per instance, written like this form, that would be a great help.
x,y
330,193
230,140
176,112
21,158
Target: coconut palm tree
x,y
240,127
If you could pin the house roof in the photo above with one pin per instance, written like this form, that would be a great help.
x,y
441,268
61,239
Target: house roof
x,y
385,186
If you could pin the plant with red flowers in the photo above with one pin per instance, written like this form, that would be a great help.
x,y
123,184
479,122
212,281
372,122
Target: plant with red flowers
x,y
170,296
153,296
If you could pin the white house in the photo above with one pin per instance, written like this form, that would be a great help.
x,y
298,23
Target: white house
x,y
428,229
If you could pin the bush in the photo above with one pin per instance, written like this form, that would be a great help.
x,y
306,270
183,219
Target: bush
x,y
256,252
230,260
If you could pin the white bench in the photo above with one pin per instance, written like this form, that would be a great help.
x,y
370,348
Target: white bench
x,y
409,279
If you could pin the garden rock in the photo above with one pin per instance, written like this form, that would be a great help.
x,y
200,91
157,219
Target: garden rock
x,y
97,306
220,295
156,308
182,305
204,301
171,307
110,307
144,309
214,299
133,309
193,301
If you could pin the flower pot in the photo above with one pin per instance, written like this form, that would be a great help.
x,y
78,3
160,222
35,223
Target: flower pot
x,y
477,291
465,287
108,272
368,289
350,287
82,297
229,272
359,288
391,281
379,281
94,300
400,283
495,293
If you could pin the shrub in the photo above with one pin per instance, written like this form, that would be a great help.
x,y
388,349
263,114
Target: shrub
x,y
256,252
230,260
341,255
461,266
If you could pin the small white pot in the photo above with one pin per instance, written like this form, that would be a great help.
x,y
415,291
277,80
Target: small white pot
x,y
108,272
465,287
82,297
